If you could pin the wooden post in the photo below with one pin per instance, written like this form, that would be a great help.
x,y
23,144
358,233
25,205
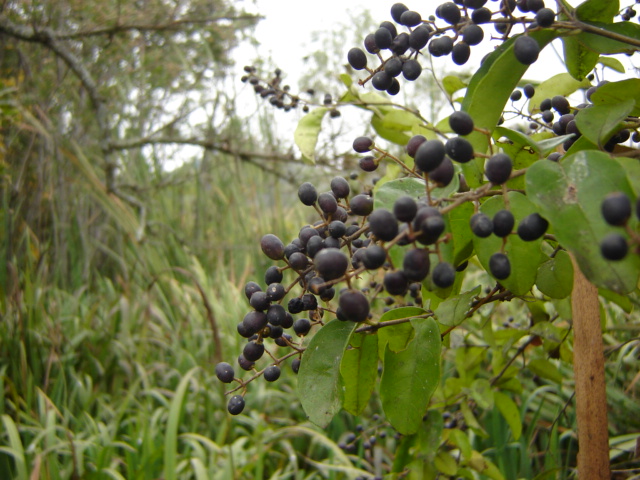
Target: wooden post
x,y
588,368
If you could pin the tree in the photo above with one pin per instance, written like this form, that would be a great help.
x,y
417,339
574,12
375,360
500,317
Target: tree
x,y
541,212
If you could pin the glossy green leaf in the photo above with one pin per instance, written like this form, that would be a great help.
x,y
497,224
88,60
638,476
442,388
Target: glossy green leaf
x,y
389,132
452,84
510,412
569,195
306,134
561,84
549,145
460,244
545,369
522,156
411,376
389,192
555,276
612,63
518,138
597,10
619,92
525,257
398,336
599,122
488,92
608,46
429,437
319,381
453,310
578,58
359,370
401,120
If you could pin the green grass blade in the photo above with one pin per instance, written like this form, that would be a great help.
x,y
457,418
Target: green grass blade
x,y
16,449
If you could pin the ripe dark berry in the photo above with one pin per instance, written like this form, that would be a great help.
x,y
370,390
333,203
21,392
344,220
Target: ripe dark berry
x,y
616,208
250,288
275,292
302,326
474,3
337,229
272,373
443,175
410,18
381,80
393,66
244,363
535,5
236,405
254,321
276,314
373,257
309,302
295,365
368,163
416,264
397,9
498,168
481,15
413,144
411,69
272,247
441,46
327,202
383,224
295,305
224,372
370,44
532,227
449,12
545,17
259,300
395,283
481,225
391,27
526,49
515,95
331,263
461,123
394,89
443,275
361,205
419,37
362,144
459,149
307,193
298,262
429,155
460,53
314,245
614,247
499,266
529,90
354,305
272,275
400,44
560,104
472,34
253,351
383,38
503,223
405,208
357,58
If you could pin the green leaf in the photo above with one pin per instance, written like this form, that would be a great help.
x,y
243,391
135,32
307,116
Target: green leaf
x,y
488,92
510,412
319,381
622,301
619,92
389,132
359,370
460,245
410,377
453,310
549,145
398,336
561,84
608,46
461,440
482,393
545,369
445,463
599,122
569,195
401,120
524,257
389,192
518,138
612,63
548,331
452,84
597,10
306,134
346,79
578,58
555,276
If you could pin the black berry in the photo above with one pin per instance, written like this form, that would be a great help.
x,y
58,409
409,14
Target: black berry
x,y
526,49
235,405
481,225
614,247
461,123
272,373
498,168
443,275
616,208
500,266
224,372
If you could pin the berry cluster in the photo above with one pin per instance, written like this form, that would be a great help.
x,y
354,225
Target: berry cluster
x,y
453,30
617,210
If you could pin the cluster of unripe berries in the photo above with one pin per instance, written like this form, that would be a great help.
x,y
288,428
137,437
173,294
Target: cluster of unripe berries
x,y
617,210
453,30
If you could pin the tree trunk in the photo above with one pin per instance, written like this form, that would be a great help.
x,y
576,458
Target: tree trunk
x,y
588,368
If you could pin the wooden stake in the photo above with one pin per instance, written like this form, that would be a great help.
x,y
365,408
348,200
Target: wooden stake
x,y
590,385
